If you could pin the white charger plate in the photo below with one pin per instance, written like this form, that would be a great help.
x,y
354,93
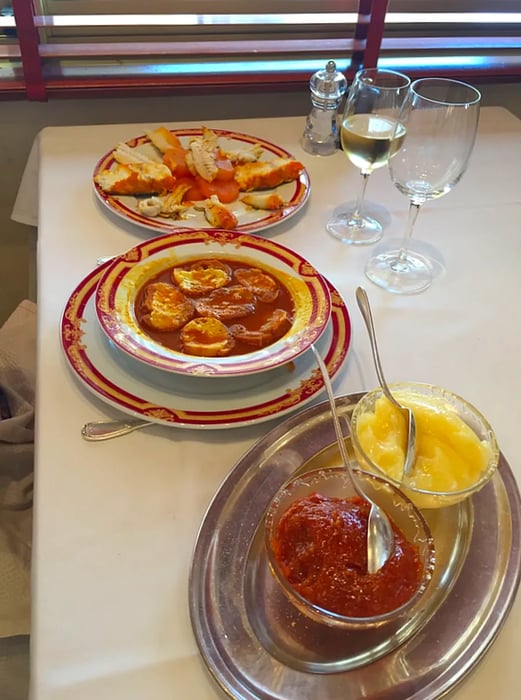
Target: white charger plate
x,y
294,193
120,284
186,401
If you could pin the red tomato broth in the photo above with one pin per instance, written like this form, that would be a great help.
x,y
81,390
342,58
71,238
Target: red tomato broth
x,y
171,339
320,544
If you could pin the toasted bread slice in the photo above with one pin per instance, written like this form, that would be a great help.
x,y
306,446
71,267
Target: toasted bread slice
x,y
166,307
208,337
136,179
202,277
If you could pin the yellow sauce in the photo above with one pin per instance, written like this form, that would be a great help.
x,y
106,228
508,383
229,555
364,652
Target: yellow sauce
x,y
450,456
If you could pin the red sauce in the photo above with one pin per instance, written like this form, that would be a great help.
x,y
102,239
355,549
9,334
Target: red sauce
x,y
321,547
252,321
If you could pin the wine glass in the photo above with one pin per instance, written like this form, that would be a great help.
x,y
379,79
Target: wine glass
x,y
369,138
440,118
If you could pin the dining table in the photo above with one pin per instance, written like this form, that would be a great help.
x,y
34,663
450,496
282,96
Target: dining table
x,y
117,522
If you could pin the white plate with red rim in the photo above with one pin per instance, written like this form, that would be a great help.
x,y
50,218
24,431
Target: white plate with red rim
x,y
294,193
185,401
120,284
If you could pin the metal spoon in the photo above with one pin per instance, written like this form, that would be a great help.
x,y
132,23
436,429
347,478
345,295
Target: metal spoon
x,y
107,429
365,309
380,537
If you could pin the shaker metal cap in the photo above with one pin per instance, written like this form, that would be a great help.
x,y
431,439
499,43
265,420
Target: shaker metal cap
x,y
328,82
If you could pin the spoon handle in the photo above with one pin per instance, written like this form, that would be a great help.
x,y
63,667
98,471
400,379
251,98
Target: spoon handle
x,y
380,537
365,310
107,429
336,422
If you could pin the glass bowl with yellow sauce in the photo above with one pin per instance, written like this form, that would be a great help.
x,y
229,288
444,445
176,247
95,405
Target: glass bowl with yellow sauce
x,y
456,448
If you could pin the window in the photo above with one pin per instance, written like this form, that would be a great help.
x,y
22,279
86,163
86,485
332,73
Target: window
x,y
474,39
86,52
65,47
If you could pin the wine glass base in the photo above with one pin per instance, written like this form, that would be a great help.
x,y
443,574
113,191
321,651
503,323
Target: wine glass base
x,y
410,276
350,231
373,210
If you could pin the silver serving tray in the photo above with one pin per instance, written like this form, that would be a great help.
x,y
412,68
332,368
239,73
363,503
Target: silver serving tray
x,y
258,647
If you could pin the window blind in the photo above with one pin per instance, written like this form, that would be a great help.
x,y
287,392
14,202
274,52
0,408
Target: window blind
x,y
58,48
470,39
65,46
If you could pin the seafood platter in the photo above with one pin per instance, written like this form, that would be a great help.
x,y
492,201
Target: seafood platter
x,y
198,178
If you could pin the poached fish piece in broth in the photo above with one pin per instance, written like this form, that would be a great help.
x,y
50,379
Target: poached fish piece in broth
x,y
257,281
273,328
227,303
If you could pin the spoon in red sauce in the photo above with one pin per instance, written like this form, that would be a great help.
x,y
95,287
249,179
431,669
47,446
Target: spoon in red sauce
x,y
380,537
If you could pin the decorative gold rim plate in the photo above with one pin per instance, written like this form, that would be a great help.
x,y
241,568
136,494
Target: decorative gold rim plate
x,y
190,401
121,281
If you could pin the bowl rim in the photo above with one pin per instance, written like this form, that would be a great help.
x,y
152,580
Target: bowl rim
x,y
323,614
492,440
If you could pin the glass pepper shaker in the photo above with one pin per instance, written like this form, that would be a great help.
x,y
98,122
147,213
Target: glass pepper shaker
x,y
327,87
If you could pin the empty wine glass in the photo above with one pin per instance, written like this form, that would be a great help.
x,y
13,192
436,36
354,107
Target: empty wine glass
x,y
369,138
440,118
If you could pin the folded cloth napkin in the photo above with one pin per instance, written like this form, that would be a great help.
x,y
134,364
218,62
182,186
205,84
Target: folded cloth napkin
x,y
17,387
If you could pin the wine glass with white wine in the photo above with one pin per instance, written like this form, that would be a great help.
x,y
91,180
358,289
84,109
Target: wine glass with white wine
x,y
369,138
439,119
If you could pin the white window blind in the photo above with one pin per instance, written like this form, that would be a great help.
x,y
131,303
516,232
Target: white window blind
x,y
52,48
81,46
477,39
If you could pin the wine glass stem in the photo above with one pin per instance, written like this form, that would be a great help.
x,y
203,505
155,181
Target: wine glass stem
x,y
356,216
400,264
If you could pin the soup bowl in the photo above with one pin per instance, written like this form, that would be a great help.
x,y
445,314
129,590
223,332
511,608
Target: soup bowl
x,y
117,299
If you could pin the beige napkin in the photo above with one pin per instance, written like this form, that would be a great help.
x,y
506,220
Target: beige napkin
x,y
17,383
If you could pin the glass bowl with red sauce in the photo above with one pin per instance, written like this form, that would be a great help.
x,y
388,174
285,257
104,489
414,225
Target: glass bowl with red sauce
x,y
316,535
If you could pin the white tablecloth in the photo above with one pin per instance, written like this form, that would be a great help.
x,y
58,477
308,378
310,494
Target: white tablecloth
x,y
115,522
